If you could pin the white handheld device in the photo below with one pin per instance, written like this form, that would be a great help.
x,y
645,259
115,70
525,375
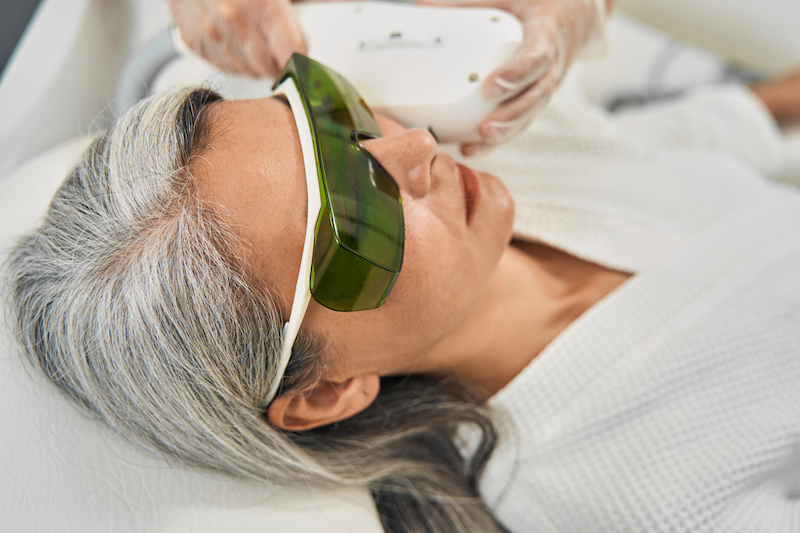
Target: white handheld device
x,y
423,66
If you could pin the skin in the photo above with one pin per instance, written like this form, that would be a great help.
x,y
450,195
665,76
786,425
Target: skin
x,y
466,304
781,96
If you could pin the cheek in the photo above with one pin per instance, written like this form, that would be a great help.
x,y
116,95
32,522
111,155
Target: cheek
x,y
445,272
443,276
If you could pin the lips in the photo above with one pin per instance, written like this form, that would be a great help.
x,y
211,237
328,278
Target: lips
x,y
471,190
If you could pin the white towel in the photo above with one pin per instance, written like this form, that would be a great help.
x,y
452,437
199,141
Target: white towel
x,y
673,404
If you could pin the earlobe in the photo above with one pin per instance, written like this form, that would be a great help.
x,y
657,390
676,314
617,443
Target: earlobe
x,y
325,403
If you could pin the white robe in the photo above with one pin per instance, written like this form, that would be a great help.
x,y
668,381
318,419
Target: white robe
x,y
673,404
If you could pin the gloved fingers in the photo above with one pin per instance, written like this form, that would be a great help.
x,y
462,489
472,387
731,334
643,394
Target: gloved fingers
x,y
535,57
281,31
457,3
238,21
513,116
206,31
214,45
536,53
500,132
260,58
252,37
265,33
529,103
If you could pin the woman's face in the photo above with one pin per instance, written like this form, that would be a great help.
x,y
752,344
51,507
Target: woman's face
x,y
457,225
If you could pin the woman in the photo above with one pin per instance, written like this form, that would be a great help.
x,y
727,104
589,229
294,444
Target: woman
x,y
155,292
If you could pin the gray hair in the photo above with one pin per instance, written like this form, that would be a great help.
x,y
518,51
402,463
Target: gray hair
x,y
133,299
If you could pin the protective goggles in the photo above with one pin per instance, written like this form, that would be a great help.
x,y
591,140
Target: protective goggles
x,y
354,239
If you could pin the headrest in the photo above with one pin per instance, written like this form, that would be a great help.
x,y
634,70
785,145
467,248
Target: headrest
x,y
65,472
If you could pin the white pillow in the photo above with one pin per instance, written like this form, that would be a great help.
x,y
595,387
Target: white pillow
x,y
64,472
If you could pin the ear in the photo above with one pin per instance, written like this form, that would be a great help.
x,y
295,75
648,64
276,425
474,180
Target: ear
x,y
325,403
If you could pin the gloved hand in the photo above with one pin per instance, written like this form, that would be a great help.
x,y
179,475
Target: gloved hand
x,y
555,32
253,37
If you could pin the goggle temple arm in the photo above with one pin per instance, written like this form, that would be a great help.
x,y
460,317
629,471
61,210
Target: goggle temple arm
x,y
302,293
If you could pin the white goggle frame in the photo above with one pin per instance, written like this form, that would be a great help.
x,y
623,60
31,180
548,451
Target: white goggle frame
x,y
302,292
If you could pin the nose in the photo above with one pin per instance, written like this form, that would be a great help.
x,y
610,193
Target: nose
x,y
408,157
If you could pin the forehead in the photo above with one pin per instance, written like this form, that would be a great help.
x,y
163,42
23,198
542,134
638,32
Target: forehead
x,y
252,176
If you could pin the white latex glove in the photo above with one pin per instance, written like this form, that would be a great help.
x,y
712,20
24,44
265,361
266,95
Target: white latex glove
x,y
252,37
555,31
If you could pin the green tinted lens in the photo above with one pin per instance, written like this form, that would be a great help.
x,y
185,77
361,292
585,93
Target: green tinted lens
x,y
358,250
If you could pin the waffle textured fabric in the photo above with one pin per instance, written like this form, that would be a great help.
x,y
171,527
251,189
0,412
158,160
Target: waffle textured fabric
x,y
674,403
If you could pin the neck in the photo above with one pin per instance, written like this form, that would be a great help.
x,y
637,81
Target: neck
x,y
535,293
